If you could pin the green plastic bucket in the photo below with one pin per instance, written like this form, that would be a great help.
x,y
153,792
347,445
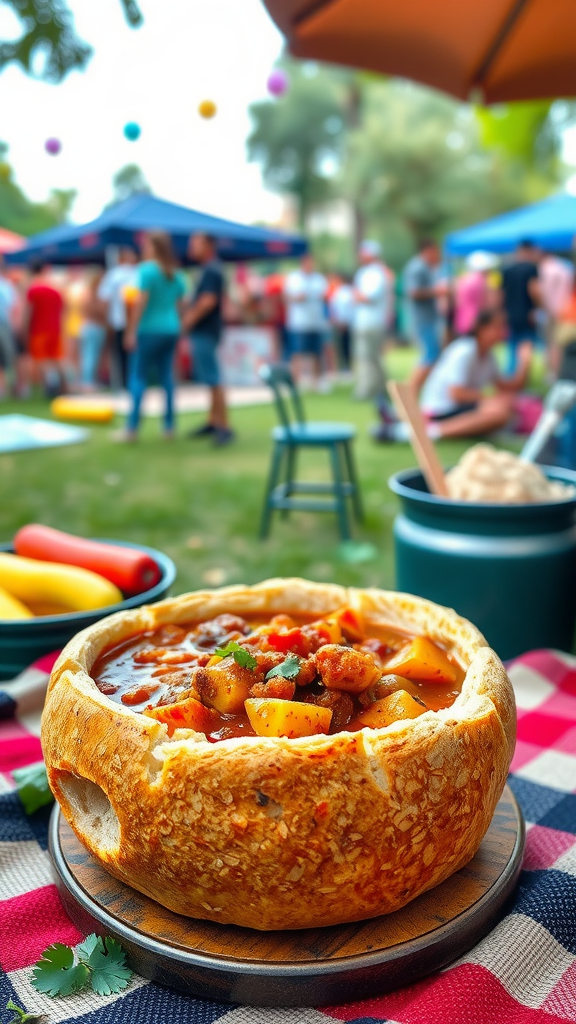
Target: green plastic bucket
x,y
510,569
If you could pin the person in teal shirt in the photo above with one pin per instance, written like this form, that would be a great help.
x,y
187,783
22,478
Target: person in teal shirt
x,y
154,327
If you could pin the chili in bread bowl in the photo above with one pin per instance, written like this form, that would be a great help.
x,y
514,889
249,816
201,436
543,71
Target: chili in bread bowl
x,y
280,831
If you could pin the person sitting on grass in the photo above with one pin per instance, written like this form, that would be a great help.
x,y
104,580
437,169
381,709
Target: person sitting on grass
x,y
453,399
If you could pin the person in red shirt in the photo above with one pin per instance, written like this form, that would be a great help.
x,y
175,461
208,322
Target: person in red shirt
x,y
43,330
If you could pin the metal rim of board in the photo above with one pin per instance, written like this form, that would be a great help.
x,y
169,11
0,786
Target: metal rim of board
x,y
230,979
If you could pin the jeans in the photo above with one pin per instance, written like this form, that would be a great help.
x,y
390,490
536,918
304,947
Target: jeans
x,y
205,359
428,338
153,351
515,339
92,338
308,343
7,347
343,338
118,361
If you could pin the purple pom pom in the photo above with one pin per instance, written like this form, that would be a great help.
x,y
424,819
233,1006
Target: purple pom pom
x,y
277,82
53,146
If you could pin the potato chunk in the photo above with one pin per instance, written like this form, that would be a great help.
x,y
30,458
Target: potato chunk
x,y
274,717
186,714
224,686
422,659
343,668
397,706
389,684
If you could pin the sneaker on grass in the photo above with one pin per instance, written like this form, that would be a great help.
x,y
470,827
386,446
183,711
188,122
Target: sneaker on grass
x,y
223,437
206,430
400,432
389,432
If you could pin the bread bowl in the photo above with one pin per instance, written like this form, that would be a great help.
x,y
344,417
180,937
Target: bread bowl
x,y
273,832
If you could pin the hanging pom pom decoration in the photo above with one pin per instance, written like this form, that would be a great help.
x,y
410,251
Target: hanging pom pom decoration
x,y
278,82
132,131
53,146
207,109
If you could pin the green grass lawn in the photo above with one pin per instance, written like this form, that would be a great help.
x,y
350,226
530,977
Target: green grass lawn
x,y
202,506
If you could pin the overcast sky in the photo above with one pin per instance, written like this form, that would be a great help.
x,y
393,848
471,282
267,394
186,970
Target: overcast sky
x,y
186,51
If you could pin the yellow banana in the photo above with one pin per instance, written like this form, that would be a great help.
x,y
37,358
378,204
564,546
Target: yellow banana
x,y
12,608
72,588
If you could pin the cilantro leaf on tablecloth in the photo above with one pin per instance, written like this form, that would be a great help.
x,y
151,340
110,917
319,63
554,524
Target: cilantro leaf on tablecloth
x,y
107,964
288,669
32,786
102,962
241,656
56,974
85,949
25,1018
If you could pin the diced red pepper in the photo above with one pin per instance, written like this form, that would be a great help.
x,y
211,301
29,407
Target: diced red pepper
x,y
292,641
351,624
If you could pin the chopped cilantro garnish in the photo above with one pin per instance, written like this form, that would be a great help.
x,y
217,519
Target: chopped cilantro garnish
x,y
288,669
241,656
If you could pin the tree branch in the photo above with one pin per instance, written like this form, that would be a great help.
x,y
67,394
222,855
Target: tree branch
x,y
48,31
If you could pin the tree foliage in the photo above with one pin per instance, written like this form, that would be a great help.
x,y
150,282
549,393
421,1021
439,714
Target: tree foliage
x,y
47,33
298,140
416,166
129,181
409,160
49,37
20,214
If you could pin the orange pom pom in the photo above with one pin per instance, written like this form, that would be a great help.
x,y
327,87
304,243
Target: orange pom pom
x,y
207,109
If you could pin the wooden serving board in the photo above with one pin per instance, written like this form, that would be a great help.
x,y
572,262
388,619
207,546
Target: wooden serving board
x,y
312,967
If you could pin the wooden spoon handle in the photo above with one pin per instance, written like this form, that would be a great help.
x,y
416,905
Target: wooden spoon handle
x,y
408,409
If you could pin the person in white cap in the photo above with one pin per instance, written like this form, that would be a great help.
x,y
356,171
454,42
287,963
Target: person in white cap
x,y
371,306
472,291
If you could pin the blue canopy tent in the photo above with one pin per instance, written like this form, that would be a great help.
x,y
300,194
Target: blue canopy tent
x,y
551,224
123,224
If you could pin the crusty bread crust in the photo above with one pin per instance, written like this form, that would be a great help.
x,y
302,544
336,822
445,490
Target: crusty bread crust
x,y
275,833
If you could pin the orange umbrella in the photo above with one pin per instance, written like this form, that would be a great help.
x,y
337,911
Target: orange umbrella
x,y
488,50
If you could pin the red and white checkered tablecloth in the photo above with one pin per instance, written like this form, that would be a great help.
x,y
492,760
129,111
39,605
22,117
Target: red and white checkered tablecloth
x,y
523,972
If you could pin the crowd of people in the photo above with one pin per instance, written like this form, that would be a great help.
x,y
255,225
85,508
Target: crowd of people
x,y
134,314
120,327
530,300
340,322
454,321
